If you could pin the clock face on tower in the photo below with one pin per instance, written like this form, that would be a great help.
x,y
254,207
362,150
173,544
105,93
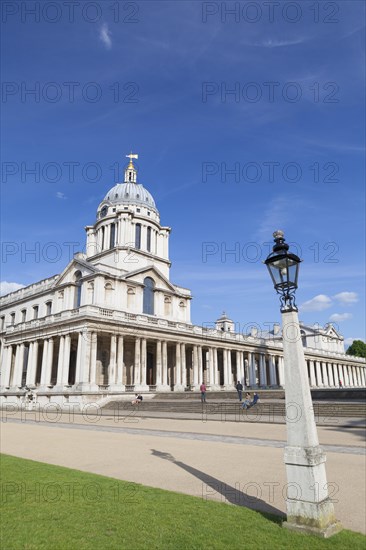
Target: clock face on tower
x,y
103,211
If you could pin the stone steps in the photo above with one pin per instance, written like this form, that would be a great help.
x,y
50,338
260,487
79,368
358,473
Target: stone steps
x,y
228,407
219,395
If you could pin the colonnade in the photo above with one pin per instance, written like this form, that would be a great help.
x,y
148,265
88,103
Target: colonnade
x,y
93,360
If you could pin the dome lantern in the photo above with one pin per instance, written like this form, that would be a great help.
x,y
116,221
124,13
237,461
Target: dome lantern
x,y
131,172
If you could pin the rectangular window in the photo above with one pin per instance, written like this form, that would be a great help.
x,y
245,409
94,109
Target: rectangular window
x,y
24,314
2,322
148,239
48,308
138,236
12,319
35,312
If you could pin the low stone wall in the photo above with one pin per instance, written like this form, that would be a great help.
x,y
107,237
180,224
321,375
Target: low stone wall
x,y
339,394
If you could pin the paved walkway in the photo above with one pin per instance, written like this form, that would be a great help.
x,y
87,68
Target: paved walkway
x,y
236,462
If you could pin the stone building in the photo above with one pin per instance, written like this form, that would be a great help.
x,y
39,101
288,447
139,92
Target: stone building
x,y
113,322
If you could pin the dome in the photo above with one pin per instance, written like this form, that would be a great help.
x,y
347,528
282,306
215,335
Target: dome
x,y
130,193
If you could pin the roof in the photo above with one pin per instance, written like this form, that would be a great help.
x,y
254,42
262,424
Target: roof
x,y
130,193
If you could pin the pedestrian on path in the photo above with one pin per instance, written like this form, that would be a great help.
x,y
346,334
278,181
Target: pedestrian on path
x,y
203,392
239,389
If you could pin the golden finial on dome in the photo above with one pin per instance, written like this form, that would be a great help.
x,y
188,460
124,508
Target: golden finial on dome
x,y
131,156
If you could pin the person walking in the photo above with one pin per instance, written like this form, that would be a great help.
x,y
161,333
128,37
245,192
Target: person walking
x,y
239,389
203,392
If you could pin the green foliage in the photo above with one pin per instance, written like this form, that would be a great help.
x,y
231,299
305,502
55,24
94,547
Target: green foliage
x,y
357,349
49,507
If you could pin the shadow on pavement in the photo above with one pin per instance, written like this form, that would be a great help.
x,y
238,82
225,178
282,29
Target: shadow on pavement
x,y
212,486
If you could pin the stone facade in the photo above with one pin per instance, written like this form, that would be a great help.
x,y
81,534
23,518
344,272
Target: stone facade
x,y
112,322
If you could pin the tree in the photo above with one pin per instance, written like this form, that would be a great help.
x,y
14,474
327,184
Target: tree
x,y
357,349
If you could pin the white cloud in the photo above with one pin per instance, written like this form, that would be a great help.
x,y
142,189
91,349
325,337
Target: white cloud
x,y
318,303
60,195
349,341
280,43
337,317
6,288
105,36
346,297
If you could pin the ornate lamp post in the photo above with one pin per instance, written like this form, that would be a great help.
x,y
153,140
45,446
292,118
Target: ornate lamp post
x,y
309,508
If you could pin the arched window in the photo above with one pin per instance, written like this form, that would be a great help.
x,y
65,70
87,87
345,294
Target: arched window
x,y
148,301
138,236
77,278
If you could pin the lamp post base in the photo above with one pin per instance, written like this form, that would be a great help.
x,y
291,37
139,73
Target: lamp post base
x,y
322,532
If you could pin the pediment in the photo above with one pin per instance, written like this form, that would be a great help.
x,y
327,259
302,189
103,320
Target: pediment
x,y
161,282
76,264
331,331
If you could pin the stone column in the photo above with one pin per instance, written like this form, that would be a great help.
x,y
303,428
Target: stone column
x,y
78,359
359,383
84,382
112,362
225,361
350,376
363,380
49,360
44,364
144,385
325,374
272,371
60,361
66,363
164,367
19,363
158,365
29,365
345,376
195,368
210,368
137,363
240,366
7,360
178,386
252,377
319,380
107,236
342,370
184,368
200,364
216,368
354,375
120,362
312,374
262,370
330,375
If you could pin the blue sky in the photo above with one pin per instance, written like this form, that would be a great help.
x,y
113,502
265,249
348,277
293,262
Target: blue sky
x,y
273,95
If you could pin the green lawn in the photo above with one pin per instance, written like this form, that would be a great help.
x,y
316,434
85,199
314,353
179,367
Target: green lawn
x,y
49,507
